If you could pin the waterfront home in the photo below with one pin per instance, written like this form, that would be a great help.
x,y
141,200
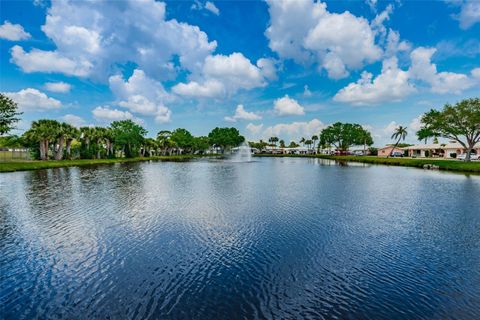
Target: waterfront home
x,y
387,151
439,150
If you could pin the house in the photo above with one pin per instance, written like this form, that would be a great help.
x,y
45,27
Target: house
x,y
444,150
387,151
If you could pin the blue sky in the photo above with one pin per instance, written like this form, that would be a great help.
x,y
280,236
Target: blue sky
x,y
283,68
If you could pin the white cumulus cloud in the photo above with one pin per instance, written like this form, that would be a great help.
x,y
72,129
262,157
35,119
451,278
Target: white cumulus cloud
x,y
50,62
469,13
106,114
74,120
92,37
222,75
441,82
391,85
141,94
13,32
307,32
287,131
287,106
60,87
242,114
34,100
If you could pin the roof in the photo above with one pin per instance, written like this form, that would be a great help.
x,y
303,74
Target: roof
x,y
433,146
386,147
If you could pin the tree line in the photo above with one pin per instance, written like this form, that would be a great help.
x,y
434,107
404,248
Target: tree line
x,y
52,139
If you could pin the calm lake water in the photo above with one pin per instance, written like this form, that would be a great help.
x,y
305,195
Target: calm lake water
x,y
276,238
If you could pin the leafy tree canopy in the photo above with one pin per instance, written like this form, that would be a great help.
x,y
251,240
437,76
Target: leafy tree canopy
x,y
225,137
8,114
182,138
345,135
459,122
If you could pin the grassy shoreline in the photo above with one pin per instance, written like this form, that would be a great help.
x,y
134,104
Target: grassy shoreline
x,y
445,165
13,166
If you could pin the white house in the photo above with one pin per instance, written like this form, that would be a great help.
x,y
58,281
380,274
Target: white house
x,y
439,150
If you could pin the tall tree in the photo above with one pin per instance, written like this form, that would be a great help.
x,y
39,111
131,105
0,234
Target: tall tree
x,y
8,114
183,139
71,133
129,136
424,134
459,122
314,139
302,141
225,138
164,142
343,135
400,133
273,140
43,132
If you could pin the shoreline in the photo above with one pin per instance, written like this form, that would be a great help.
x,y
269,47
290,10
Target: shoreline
x,y
13,166
443,165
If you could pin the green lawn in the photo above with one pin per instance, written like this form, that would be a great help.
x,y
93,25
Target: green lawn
x,y
451,165
36,164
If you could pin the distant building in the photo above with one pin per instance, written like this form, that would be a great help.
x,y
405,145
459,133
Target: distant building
x,y
437,150
387,151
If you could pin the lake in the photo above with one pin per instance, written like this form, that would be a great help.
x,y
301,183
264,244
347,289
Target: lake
x,y
277,238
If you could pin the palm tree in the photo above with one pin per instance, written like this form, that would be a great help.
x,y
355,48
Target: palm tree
x,y
302,141
314,139
63,130
400,133
164,142
148,146
424,134
98,134
308,143
273,140
71,133
86,136
43,132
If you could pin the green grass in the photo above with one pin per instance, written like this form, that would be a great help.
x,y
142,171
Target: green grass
x,y
449,165
36,164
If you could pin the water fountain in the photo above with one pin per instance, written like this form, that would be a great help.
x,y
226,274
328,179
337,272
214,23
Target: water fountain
x,y
242,154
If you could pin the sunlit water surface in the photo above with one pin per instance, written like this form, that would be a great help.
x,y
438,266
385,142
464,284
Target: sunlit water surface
x,y
275,238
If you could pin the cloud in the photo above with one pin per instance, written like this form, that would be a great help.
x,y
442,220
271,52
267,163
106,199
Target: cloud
x,y
222,75
13,32
74,120
33,100
253,129
306,91
288,131
307,32
287,106
415,124
242,114
469,14
394,45
141,94
92,38
210,6
106,114
441,82
391,85
60,87
208,89
49,62
267,67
